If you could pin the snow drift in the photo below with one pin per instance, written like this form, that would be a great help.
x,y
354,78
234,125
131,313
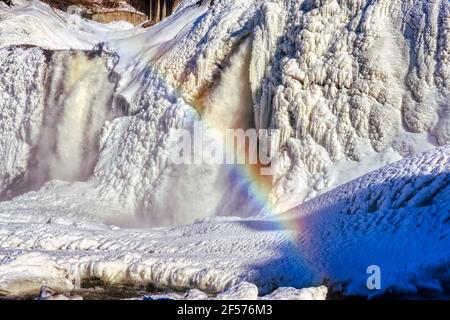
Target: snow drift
x,y
322,240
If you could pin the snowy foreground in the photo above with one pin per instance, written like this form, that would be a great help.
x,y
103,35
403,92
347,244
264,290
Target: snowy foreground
x,y
397,218
358,89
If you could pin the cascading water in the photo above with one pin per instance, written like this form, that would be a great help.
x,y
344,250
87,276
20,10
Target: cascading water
x,y
126,167
79,91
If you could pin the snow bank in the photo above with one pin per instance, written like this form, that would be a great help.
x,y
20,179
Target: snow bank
x,y
318,293
24,273
395,218
320,240
248,291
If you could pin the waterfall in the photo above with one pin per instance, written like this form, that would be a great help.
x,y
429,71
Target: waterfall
x,y
78,98
77,101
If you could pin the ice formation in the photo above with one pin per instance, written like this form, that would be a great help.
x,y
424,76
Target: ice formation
x,y
396,217
88,113
248,291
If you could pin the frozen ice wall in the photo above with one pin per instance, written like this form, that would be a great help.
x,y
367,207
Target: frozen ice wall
x,y
351,85
354,85
22,95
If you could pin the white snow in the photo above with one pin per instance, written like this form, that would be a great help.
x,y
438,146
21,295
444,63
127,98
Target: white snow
x,y
353,86
395,217
50,294
35,23
318,293
248,291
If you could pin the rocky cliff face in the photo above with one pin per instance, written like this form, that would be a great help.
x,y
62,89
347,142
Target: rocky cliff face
x,y
159,9
134,18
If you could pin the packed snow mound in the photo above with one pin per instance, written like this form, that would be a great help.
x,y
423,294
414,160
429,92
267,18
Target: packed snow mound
x,y
247,291
418,181
395,218
317,293
316,242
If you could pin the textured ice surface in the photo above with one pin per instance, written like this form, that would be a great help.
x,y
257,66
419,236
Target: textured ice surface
x,y
248,291
320,72
351,85
21,106
375,220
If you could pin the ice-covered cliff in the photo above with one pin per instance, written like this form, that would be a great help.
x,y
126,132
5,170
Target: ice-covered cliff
x,y
89,113
351,85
